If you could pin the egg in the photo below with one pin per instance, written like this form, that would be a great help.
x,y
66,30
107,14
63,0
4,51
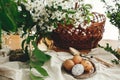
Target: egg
x,y
77,70
77,59
87,65
68,64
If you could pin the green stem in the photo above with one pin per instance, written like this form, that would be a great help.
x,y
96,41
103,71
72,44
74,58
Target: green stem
x,y
0,36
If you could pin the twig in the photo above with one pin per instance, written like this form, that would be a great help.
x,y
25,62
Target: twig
x,y
103,62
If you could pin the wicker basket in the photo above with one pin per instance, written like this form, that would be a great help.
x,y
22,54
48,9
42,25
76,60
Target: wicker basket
x,y
79,38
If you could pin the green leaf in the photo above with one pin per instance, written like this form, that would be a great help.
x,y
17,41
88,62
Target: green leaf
x,y
29,39
40,69
41,56
55,25
115,61
66,16
22,1
8,15
71,11
25,19
60,8
88,19
33,77
34,62
109,49
34,44
103,1
7,23
88,6
108,15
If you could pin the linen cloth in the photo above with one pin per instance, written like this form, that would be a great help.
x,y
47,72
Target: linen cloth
x,y
20,71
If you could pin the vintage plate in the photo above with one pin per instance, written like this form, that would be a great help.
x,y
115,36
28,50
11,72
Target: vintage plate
x,y
85,74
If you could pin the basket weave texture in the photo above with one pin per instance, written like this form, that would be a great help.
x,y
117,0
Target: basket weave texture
x,y
66,36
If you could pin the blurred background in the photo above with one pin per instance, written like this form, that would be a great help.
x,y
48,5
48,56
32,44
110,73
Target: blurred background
x,y
111,32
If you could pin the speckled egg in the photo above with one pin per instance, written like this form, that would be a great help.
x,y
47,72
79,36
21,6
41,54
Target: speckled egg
x,y
77,69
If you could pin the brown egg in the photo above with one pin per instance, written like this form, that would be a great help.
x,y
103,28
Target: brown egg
x,y
87,65
77,59
68,64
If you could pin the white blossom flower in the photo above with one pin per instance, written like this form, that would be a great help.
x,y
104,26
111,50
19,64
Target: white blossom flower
x,y
45,17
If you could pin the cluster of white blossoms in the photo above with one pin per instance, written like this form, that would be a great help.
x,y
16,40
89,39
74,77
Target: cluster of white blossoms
x,y
56,11
112,6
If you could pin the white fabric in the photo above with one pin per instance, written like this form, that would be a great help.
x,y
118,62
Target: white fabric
x,y
19,71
